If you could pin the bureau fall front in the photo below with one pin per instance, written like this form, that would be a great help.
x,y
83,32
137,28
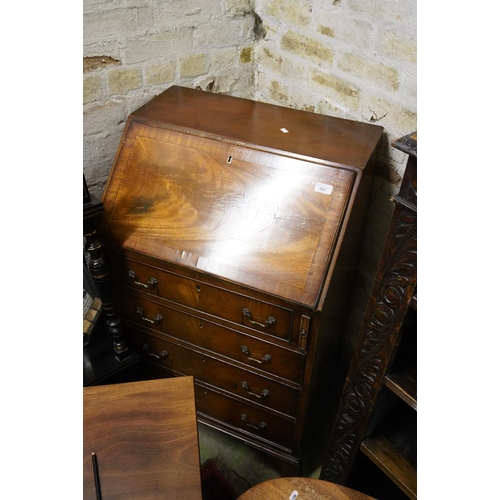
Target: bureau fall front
x,y
233,229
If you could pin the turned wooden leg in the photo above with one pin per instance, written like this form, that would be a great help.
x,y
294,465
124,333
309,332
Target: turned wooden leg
x,y
100,274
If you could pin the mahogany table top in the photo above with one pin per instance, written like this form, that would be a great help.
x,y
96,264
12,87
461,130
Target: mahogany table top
x,y
145,437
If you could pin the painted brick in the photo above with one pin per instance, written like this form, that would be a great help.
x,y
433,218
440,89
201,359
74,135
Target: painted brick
x,y
97,63
95,5
273,30
103,48
239,7
222,34
326,30
297,12
369,70
280,93
159,73
90,4
303,100
128,4
122,80
223,59
396,11
176,14
398,119
232,83
281,65
192,65
408,87
398,46
96,175
346,29
286,94
275,92
92,88
112,24
246,55
306,47
159,46
97,118
267,58
339,90
326,106
327,7
101,147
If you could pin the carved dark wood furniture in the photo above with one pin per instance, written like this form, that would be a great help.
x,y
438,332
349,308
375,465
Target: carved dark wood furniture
x,y
377,412
107,353
234,227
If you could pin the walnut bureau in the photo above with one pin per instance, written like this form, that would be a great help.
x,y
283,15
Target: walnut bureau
x,y
233,229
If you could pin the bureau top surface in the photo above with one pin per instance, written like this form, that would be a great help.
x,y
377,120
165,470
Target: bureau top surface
x,y
255,216
313,135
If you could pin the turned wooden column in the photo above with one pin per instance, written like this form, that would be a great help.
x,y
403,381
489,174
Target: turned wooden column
x,y
92,208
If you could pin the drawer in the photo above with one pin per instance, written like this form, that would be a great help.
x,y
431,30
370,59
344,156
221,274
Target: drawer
x,y
257,423
264,317
255,353
253,387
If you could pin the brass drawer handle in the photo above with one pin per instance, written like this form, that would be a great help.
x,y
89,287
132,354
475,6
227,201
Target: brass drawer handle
x,y
269,321
260,426
263,394
163,354
157,319
265,358
151,283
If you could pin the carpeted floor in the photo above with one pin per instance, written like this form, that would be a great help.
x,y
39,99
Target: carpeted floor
x,y
230,467
220,482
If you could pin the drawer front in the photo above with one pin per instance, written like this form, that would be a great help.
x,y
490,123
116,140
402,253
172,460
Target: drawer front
x,y
257,423
261,316
253,387
253,352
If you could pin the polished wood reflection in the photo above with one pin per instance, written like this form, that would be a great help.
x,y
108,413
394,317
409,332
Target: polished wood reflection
x,y
259,218
146,438
301,488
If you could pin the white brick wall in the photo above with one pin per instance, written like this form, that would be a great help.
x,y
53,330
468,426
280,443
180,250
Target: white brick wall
x,y
134,49
354,59
350,58
357,58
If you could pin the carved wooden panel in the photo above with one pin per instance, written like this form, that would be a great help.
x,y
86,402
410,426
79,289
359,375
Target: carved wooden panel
x,y
394,287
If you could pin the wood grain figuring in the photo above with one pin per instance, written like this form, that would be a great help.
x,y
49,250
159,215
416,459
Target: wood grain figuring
x,y
307,489
258,389
312,135
249,216
212,300
146,440
234,249
263,426
200,332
